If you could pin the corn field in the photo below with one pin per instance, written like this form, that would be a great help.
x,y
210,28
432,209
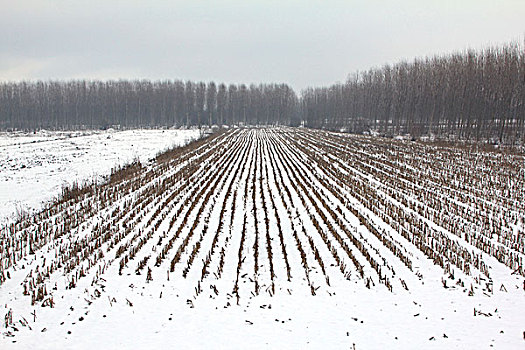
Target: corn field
x,y
247,211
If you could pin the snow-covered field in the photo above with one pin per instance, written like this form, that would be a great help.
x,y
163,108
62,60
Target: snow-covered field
x,y
34,167
278,238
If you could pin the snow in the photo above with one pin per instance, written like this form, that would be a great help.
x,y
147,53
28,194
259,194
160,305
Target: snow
x,y
370,319
35,167
109,310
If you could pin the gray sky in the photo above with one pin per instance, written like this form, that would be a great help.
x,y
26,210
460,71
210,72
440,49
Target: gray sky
x,y
303,43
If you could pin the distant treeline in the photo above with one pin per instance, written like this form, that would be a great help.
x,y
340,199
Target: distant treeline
x,y
472,95
142,103
475,95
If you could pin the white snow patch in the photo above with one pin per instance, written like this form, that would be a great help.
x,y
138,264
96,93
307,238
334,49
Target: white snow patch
x,y
35,167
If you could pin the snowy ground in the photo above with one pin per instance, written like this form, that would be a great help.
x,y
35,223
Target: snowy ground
x,y
34,167
426,318
228,231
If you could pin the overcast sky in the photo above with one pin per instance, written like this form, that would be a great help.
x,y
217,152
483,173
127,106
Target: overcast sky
x,y
303,43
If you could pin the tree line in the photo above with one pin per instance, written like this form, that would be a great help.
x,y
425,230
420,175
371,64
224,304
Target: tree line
x,y
143,103
474,95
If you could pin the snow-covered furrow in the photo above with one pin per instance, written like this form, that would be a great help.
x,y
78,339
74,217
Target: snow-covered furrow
x,y
295,211
394,180
418,165
81,250
54,216
259,228
372,223
310,212
392,189
349,228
